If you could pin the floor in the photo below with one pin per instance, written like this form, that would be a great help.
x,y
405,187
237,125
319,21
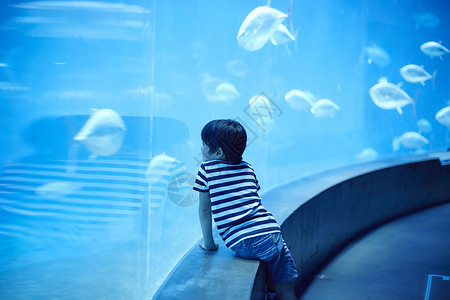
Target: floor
x,y
406,259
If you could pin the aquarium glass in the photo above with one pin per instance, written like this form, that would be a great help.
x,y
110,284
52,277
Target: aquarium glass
x,y
102,104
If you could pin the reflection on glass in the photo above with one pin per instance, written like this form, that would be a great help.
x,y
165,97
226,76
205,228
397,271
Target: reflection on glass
x,y
102,103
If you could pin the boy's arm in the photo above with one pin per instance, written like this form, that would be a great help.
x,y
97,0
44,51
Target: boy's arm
x,y
204,213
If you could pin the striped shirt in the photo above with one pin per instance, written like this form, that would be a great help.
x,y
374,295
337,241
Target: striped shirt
x,y
235,204
39,197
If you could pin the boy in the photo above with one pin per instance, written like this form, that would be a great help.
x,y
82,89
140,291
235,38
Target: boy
x,y
229,192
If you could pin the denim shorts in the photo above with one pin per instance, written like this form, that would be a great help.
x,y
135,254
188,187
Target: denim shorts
x,y
271,249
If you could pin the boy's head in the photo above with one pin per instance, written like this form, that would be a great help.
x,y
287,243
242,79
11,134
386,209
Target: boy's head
x,y
227,137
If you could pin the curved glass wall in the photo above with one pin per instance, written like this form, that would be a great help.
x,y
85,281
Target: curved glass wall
x,y
102,104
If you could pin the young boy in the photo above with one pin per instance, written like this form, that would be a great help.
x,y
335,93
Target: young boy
x,y
229,192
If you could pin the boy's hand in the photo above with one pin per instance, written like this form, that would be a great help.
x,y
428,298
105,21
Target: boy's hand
x,y
212,247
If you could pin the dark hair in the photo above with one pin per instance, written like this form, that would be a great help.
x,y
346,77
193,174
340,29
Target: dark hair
x,y
229,135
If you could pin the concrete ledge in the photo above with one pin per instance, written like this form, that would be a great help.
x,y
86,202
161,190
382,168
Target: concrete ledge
x,y
320,214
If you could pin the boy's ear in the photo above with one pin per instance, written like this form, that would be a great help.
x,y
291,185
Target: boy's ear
x,y
219,153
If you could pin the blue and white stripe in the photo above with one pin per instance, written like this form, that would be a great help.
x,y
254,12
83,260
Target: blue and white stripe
x,y
93,197
235,204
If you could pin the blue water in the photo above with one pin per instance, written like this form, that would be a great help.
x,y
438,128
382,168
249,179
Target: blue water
x,y
79,222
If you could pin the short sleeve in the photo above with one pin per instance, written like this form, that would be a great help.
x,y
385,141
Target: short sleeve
x,y
201,182
258,187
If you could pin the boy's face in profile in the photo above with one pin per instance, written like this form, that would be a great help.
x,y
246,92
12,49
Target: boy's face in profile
x,y
207,155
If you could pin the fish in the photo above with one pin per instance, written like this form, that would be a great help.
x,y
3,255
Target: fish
x,y
56,189
367,154
424,126
299,100
376,55
258,27
324,108
217,90
414,74
236,68
227,91
262,111
433,49
426,19
103,133
443,116
389,96
410,140
281,36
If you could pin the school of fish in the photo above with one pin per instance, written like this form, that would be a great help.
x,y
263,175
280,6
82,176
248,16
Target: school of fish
x,y
265,24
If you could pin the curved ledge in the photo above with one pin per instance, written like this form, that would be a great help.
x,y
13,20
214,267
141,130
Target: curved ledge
x,y
320,214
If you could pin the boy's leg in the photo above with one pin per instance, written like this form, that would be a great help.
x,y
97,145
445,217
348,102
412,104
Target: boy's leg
x,y
284,290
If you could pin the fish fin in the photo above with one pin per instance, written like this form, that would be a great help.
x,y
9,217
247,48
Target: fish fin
x,y
433,76
295,40
399,109
92,156
81,136
400,84
423,83
273,41
382,80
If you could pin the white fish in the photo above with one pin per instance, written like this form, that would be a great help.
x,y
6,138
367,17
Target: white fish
x,y
367,154
281,36
103,132
299,100
258,27
227,91
56,189
410,140
209,85
217,90
426,19
433,49
376,55
324,108
237,68
443,116
389,96
424,126
414,74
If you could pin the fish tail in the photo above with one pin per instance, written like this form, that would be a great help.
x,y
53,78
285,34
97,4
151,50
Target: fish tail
x,y
433,77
